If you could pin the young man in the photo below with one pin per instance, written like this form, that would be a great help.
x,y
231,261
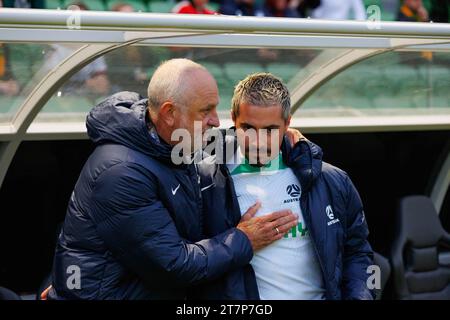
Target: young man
x,y
327,254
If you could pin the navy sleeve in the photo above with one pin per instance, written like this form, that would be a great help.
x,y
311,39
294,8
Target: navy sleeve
x,y
141,234
358,254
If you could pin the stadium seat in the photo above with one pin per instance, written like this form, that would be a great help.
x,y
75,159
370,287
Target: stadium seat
x,y
368,3
213,6
138,5
388,16
53,4
236,71
441,93
94,5
370,81
233,72
150,72
418,272
427,4
437,80
399,76
161,6
67,104
410,85
218,73
376,85
25,60
9,105
439,76
285,71
225,101
390,102
440,98
355,101
317,101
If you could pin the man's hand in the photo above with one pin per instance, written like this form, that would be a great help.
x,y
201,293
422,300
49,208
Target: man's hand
x,y
262,231
422,14
294,136
44,293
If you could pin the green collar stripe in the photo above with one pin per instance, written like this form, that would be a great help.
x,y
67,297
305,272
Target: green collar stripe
x,y
274,165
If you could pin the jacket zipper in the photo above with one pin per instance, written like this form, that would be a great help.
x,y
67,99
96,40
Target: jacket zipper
x,y
195,177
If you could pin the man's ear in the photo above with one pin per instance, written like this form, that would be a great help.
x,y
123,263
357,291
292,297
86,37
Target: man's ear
x,y
288,121
166,113
233,116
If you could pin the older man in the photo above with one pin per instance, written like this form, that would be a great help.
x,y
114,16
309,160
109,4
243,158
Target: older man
x,y
326,255
133,228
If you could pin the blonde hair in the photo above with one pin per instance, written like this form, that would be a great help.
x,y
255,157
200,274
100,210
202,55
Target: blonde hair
x,y
261,89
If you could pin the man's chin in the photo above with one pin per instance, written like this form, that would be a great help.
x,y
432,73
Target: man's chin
x,y
256,160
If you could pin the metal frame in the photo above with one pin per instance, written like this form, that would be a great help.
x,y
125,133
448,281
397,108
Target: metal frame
x,y
336,65
92,20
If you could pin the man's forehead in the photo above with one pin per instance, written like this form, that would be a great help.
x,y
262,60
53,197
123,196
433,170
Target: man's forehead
x,y
199,74
200,91
200,80
260,111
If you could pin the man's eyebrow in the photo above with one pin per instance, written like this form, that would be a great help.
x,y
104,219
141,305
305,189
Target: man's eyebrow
x,y
209,107
248,125
272,126
245,124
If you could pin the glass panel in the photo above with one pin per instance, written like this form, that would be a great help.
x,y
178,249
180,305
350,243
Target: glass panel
x,y
125,69
229,66
22,67
130,68
394,83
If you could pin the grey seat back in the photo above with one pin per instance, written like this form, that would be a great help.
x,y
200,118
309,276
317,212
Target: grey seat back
x,y
418,273
385,270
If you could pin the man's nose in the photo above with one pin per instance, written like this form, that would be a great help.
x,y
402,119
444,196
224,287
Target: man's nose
x,y
213,120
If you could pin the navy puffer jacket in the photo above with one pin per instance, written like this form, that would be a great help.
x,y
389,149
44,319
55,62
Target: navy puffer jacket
x,y
133,228
332,210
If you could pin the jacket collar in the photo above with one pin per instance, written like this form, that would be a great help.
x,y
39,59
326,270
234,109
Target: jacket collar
x,y
304,158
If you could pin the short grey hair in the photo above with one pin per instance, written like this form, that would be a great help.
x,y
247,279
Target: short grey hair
x,y
262,89
169,82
